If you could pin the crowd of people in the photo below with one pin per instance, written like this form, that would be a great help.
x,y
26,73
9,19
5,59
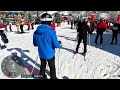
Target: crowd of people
x,y
86,25
83,27
45,37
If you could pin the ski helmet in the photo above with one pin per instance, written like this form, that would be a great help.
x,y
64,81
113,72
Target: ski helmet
x,y
46,17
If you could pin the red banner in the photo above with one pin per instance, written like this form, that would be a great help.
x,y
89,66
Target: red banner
x,y
93,16
118,19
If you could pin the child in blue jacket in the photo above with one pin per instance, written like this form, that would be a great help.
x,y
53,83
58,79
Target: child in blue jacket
x,y
46,40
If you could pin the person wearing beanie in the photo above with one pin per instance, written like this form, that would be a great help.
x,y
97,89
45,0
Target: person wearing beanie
x,y
82,30
45,39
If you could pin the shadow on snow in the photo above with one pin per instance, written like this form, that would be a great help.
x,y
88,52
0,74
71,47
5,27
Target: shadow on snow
x,y
27,67
107,37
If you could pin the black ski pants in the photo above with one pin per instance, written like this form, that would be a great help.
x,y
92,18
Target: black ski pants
x,y
21,28
99,33
114,36
51,64
84,38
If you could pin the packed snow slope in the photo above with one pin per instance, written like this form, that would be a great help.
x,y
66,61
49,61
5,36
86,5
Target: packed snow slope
x,y
98,64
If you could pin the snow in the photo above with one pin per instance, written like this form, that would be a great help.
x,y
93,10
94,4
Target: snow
x,y
98,64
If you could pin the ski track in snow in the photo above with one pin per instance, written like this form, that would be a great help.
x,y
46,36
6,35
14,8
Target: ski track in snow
x,y
98,64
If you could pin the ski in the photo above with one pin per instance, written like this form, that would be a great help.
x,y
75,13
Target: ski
x,y
84,55
74,54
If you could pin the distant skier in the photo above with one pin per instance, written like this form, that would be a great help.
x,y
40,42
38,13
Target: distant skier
x,y
10,26
3,39
17,26
2,44
32,25
115,32
21,26
72,22
82,30
77,21
3,26
101,27
28,26
46,40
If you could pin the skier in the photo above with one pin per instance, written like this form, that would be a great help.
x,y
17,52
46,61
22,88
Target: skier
x,y
115,32
3,39
32,25
21,26
2,44
72,21
77,21
10,26
101,27
82,30
28,26
46,40
17,26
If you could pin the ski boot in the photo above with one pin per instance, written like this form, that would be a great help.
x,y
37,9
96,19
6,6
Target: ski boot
x,y
115,43
53,78
111,43
43,77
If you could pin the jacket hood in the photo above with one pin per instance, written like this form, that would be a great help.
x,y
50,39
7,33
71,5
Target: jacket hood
x,y
42,29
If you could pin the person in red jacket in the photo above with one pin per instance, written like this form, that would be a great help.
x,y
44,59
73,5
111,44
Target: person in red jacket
x,y
28,25
3,26
101,27
53,25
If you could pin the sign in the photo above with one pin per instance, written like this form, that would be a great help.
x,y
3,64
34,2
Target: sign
x,y
11,66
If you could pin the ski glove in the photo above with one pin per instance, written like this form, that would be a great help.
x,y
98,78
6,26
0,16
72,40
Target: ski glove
x,y
60,42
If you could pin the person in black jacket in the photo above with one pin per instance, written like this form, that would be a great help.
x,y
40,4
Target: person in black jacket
x,y
118,28
32,25
92,27
115,32
3,39
82,30
21,27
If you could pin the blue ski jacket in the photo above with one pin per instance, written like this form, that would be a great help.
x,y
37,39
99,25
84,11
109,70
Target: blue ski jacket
x,y
46,40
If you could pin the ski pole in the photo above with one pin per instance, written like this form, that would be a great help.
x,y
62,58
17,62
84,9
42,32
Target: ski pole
x,y
89,39
75,44
76,41
58,60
